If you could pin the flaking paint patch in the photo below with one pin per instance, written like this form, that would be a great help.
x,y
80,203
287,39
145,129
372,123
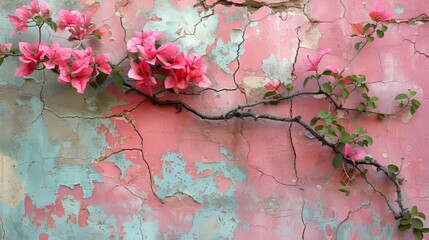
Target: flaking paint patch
x,y
224,54
179,25
226,153
10,183
276,68
217,219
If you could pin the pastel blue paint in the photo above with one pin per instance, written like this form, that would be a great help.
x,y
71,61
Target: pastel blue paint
x,y
174,178
224,54
276,68
217,218
398,10
174,19
121,162
226,153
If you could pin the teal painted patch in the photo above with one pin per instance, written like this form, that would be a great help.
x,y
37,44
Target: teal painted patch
x,y
275,68
217,218
175,20
122,163
398,10
224,54
226,153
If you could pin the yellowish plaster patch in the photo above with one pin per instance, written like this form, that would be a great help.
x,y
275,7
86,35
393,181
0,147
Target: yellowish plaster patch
x,y
12,188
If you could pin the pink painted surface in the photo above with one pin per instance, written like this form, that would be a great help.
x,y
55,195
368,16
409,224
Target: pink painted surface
x,y
111,165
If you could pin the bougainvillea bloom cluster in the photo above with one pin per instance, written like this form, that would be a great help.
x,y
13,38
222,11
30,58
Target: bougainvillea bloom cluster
x,y
180,70
78,67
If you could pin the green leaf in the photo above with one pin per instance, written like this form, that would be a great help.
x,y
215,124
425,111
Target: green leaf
x,y
360,130
404,222
1,61
366,27
269,95
314,121
361,107
414,210
415,102
421,215
416,223
407,215
380,34
381,116
418,234
327,87
374,99
404,228
357,46
39,20
306,80
14,50
337,161
319,128
370,39
401,105
324,114
393,168
289,87
53,25
369,140
412,93
101,78
344,190
425,230
383,28
401,96
345,93
117,78
97,36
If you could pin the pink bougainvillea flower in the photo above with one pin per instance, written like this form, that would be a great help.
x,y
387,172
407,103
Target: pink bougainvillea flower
x,y
147,53
355,154
55,55
31,57
101,31
273,85
102,63
77,74
20,20
357,29
43,9
5,48
84,54
68,19
177,80
192,73
314,64
144,39
167,55
83,28
378,12
334,69
142,73
196,70
80,26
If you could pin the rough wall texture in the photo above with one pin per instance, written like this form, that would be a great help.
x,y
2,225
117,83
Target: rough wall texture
x,y
111,166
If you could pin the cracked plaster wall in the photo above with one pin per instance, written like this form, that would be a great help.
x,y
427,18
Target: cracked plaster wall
x,y
76,166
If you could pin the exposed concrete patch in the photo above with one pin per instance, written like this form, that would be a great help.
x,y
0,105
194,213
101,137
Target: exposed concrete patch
x,y
10,183
254,86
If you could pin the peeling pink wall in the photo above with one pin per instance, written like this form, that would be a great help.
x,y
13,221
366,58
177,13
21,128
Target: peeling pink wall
x,y
109,165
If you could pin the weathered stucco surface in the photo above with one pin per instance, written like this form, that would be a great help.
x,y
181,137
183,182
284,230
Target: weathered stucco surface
x,y
108,165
